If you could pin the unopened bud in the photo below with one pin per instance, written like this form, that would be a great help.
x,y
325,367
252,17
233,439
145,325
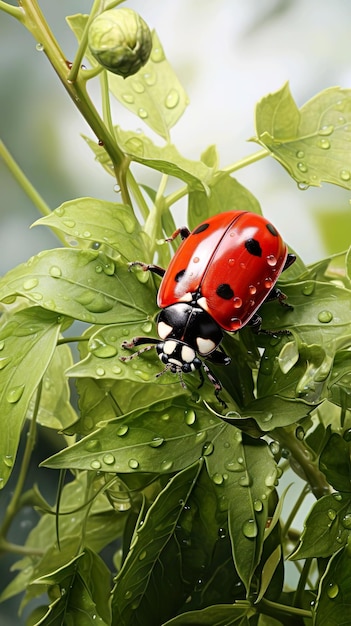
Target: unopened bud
x,y
120,41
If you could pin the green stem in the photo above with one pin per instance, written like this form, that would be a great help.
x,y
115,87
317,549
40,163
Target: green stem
x,y
23,181
11,10
37,25
275,609
15,502
8,546
298,595
76,65
253,158
295,510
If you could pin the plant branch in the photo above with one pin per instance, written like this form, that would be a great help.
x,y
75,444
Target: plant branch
x,y
253,158
11,10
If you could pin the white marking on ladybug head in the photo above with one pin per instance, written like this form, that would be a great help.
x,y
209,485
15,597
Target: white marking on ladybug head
x,y
187,354
164,330
169,346
205,346
187,297
202,302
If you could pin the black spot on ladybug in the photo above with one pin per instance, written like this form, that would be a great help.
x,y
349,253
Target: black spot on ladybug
x,y
272,230
253,247
179,275
200,229
225,291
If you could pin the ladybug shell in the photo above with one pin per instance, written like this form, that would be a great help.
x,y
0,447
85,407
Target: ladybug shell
x,y
227,265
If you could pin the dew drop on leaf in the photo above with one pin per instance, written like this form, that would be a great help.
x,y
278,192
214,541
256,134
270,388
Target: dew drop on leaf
x,y
128,98
39,47
190,417
217,478
133,463
300,154
325,317
332,514
346,521
108,459
300,433
222,533
5,360
274,447
332,591
347,435
157,55
30,283
324,144
326,130
95,465
8,460
100,371
208,448
345,175
150,78
156,442
308,288
93,445
138,86
142,555
55,271
166,465
69,223
258,505
2,344
142,113
250,529
172,99
245,480
122,430
14,394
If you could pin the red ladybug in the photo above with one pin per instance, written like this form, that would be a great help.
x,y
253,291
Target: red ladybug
x,y
220,275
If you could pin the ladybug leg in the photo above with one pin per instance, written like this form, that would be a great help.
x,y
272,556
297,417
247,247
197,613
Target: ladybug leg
x,y
219,356
184,232
277,294
215,382
155,269
137,341
290,259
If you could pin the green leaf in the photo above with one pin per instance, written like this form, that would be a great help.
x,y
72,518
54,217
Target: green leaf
x,y
326,528
217,615
335,463
140,584
165,437
227,194
165,159
55,409
83,284
27,340
332,607
245,476
154,94
313,143
89,220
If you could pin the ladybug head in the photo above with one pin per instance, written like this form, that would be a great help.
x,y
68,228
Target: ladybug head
x,y
178,356
190,326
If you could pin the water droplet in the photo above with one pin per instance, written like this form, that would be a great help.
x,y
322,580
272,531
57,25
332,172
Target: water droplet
x,y
166,465
109,459
150,78
14,394
217,478
101,349
30,283
156,442
331,514
268,283
270,479
8,460
345,175
95,465
324,144
302,166
190,417
69,223
128,594
201,436
325,317
252,290
271,260
308,288
142,555
5,360
208,448
39,47
172,99
326,130
100,371
2,344
245,480
250,529
138,86
303,186
133,463
258,505
300,433
300,154
93,445
128,98
237,302
332,591
157,55
116,188
147,327
346,521
274,447
142,113
55,271
122,430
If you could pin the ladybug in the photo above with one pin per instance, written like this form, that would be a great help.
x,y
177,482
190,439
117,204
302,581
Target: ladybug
x,y
220,275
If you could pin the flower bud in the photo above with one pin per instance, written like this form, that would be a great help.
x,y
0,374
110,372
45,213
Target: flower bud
x,y
120,41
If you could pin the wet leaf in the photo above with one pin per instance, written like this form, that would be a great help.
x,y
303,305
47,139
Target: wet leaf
x,y
334,595
27,340
91,221
83,284
218,615
312,143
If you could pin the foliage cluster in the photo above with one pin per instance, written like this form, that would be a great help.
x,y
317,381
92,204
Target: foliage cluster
x,y
182,491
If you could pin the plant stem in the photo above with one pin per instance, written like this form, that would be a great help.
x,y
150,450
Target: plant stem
x,y
37,25
15,503
275,609
23,181
295,510
11,10
73,73
253,158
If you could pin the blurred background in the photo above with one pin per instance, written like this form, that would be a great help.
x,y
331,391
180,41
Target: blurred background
x,y
228,54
